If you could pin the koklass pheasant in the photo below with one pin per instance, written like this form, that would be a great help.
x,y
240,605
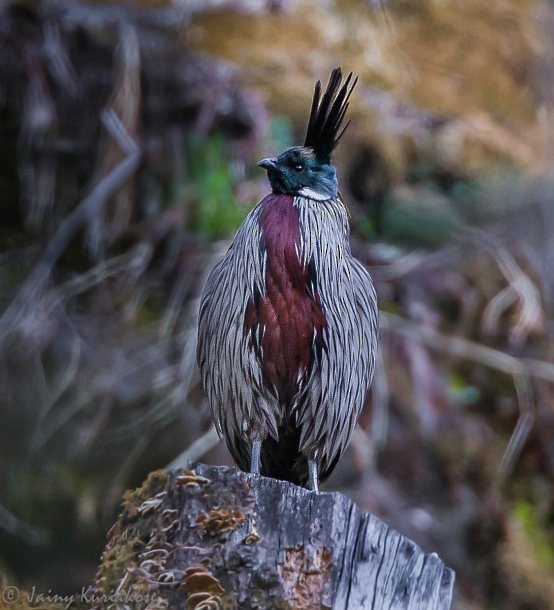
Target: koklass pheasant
x,y
288,319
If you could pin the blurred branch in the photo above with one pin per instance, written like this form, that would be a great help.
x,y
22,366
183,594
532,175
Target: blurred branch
x,y
195,451
117,484
134,260
63,379
14,526
522,429
400,266
175,305
519,369
94,391
125,102
464,348
520,288
59,62
83,213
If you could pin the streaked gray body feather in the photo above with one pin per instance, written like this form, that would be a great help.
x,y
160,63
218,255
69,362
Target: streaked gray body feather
x,y
329,401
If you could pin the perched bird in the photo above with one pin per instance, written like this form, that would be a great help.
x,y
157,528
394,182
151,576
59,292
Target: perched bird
x,y
288,319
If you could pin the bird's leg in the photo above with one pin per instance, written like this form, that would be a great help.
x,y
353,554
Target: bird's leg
x,y
312,470
255,457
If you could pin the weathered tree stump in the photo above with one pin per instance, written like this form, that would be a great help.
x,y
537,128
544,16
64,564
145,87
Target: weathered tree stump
x,y
215,537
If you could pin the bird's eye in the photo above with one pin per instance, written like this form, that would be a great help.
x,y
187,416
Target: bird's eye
x,y
298,168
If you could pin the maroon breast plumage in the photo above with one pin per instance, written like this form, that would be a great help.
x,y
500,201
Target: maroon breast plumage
x,y
285,322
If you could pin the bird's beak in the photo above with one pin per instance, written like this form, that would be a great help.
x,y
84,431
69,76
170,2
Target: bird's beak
x,y
268,163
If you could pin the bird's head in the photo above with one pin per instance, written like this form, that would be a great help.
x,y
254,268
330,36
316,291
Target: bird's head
x,y
297,171
307,170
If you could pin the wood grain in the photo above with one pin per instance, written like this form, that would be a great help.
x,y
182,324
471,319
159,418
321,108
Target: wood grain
x,y
215,537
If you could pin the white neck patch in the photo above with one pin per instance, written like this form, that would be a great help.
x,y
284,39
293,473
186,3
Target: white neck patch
x,y
310,194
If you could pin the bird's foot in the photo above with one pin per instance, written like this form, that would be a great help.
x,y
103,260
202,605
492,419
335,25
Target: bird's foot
x,y
255,457
313,483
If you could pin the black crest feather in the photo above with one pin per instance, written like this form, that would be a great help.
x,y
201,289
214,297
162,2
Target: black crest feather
x,y
327,115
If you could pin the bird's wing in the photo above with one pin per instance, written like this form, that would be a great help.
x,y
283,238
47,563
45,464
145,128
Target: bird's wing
x,y
332,398
230,370
348,363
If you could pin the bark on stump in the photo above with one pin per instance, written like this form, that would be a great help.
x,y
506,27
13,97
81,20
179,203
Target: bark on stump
x,y
215,537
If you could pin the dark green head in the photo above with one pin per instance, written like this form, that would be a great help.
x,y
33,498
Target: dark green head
x,y
298,172
307,170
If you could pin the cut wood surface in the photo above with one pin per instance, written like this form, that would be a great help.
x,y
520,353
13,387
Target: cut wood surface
x,y
211,537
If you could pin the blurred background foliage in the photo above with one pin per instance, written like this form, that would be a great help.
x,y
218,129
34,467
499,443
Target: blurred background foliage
x,y
129,136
